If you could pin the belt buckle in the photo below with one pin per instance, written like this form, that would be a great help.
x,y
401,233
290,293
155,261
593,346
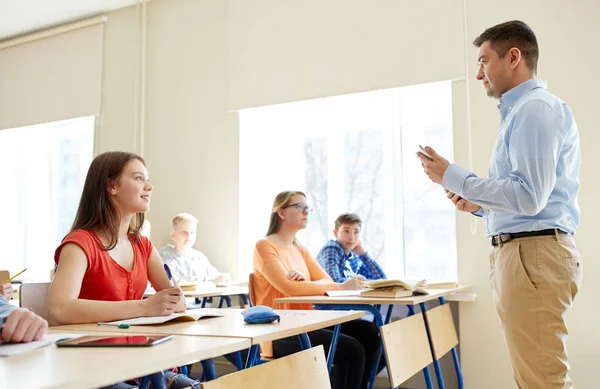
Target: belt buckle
x,y
497,240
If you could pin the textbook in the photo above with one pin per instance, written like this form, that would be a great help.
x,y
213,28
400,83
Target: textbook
x,y
394,289
172,318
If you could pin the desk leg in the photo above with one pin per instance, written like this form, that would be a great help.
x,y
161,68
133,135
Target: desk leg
x,y
333,346
436,363
426,374
455,358
208,369
304,341
253,355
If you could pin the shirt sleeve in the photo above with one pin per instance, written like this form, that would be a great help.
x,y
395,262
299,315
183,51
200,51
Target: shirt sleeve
x,y
333,262
533,154
370,269
274,271
5,310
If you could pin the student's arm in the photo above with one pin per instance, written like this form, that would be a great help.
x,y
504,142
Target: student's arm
x,y
212,273
159,280
66,308
370,268
274,271
333,261
20,325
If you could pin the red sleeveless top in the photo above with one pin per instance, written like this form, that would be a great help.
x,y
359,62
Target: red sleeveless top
x,y
105,279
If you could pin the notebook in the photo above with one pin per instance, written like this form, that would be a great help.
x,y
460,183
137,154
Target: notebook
x,y
394,289
10,349
172,318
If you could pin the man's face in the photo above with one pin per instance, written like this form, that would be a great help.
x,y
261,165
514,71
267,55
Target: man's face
x,y
493,71
348,235
184,234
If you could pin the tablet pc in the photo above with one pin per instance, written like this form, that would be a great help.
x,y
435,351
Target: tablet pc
x,y
115,341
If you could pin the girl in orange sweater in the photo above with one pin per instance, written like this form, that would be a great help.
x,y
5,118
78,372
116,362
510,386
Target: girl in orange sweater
x,y
282,268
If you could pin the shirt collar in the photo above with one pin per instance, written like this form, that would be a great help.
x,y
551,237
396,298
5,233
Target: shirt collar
x,y
510,98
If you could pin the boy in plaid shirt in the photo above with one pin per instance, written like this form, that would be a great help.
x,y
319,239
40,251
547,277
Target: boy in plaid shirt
x,y
344,257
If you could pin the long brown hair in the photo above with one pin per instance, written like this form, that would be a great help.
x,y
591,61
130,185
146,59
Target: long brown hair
x,y
95,210
281,201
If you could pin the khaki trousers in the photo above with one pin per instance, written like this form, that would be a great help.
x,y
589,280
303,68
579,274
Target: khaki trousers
x,y
534,281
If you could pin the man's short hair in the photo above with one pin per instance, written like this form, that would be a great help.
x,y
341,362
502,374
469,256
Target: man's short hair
x,y
504,36
347,218
183,217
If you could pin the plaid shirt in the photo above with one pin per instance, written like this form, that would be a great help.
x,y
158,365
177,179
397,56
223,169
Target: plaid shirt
x,y
342,267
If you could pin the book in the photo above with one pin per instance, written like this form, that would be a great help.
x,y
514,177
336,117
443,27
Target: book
x,y
10,349
172,318
394,289
341,293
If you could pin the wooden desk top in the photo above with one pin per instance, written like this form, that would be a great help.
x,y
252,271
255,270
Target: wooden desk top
x,y
80,368
347,300
231,324
210,292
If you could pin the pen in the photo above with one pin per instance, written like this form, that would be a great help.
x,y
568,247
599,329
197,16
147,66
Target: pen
x,y
13,277
169,276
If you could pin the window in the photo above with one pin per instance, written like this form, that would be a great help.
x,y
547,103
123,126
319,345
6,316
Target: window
x,y
43,168
355,153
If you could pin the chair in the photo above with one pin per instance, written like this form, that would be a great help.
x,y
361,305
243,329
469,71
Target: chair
x,y
251,289
304,369
34,295
406,348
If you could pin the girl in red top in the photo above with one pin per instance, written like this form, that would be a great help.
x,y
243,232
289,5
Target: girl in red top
x,y
104,264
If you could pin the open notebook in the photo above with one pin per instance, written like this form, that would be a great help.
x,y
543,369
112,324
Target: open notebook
x,y
144,321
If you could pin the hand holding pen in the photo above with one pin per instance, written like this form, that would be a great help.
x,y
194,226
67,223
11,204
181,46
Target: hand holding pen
x,y
165,302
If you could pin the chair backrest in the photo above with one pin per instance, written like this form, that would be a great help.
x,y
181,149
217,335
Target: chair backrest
x,y
442,330
406,347
251,289
304,369
34,295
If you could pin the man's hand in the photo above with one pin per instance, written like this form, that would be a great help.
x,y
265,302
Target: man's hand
x,y
23,326
435,167
462,204
358,249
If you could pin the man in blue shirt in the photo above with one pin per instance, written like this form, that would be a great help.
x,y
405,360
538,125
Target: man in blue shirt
x,y
344,257
529,205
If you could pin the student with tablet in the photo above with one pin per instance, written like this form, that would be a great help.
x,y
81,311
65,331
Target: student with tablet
x,y
104,264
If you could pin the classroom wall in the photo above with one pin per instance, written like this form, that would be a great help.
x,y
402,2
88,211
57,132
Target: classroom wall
x,y
190,140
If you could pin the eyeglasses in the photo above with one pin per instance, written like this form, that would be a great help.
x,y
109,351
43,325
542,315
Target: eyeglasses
x,y
300,207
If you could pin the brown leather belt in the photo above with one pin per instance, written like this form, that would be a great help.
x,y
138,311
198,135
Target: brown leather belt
x,y
503,238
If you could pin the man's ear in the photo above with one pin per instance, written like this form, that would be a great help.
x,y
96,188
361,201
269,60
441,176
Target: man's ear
x,y
335,233
515,57
172,235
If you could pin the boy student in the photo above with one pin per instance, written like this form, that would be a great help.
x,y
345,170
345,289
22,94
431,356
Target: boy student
x,y
186,263
344,257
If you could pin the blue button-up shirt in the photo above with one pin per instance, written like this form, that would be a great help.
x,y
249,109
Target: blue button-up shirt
x,y
341,266
534,172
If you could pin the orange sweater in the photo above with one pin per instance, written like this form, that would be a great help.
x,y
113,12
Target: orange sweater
x,y
272,262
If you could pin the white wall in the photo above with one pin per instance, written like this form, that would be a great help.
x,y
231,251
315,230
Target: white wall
x,y
191,141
